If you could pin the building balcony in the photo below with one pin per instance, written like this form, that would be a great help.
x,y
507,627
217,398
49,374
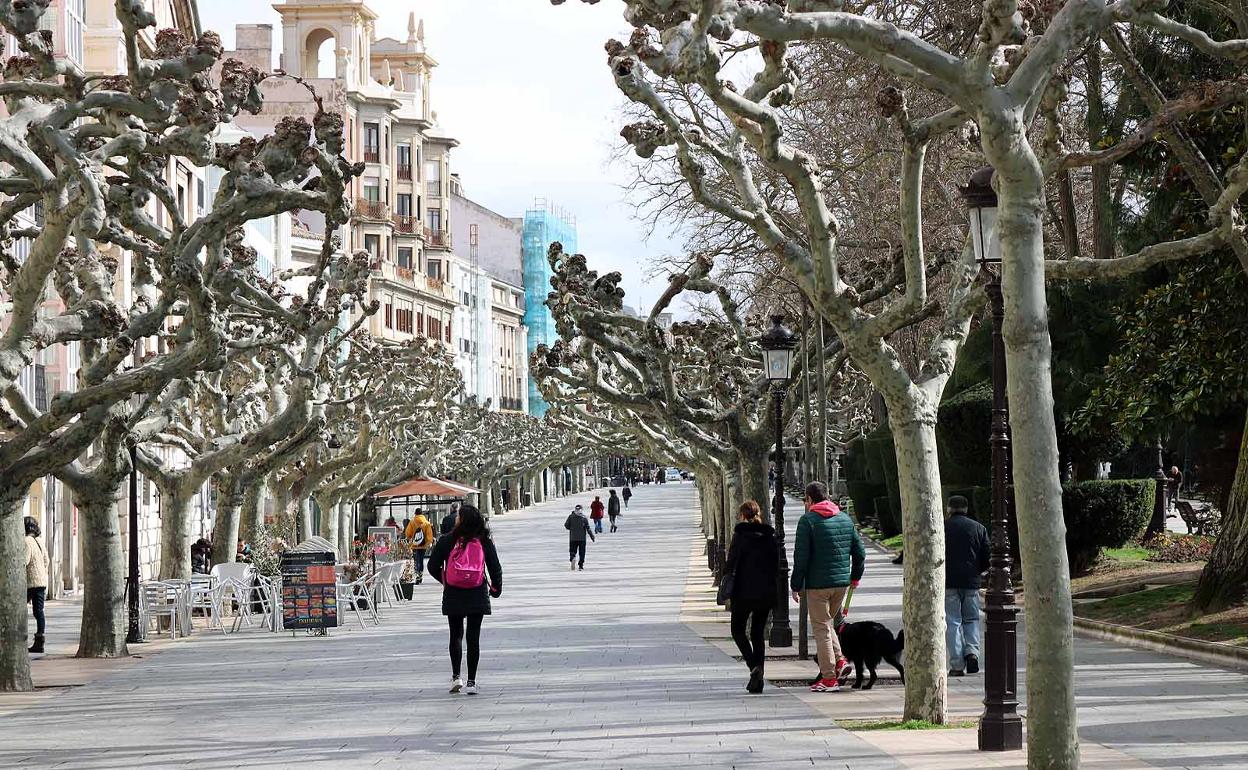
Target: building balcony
x,y
510,404
432,288
407,224
405,173
372,155
438,238
377,211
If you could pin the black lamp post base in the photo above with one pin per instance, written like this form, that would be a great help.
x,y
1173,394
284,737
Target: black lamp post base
x,y
1000,733
781,635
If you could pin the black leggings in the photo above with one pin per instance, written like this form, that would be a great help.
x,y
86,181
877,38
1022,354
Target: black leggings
x,y
456,623
753,647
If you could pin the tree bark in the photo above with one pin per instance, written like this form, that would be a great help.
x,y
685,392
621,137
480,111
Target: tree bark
x,y
304,529
251,517
753,462
103,633
225,528
175,532
1224,580
923,542
345,530
14,660
329,515
1052,741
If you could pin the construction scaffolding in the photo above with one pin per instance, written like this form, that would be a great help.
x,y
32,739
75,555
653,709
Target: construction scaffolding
x,y
544,224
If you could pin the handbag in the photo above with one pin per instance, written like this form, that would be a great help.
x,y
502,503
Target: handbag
x,y
725,587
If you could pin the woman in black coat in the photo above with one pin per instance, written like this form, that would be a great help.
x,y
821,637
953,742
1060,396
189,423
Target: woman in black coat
x,y
753,563
467,605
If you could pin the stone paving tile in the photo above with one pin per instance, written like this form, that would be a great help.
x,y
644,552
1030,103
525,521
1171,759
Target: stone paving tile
x,y
579,670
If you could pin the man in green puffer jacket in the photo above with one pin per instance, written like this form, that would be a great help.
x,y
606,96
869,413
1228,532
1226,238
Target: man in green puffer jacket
x,y
828,558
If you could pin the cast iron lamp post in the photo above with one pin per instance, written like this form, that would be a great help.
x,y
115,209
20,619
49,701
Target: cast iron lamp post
x,y
1000,727
134,633
778,345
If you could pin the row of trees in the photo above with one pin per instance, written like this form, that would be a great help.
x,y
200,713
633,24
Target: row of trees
x,y
774,129
204,369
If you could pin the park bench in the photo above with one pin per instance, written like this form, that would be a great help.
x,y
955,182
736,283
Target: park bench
x,y
1200,521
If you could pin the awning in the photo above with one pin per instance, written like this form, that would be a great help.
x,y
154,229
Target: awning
x,y
422,485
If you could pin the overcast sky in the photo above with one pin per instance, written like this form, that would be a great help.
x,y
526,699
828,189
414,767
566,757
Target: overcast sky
x,y
525,88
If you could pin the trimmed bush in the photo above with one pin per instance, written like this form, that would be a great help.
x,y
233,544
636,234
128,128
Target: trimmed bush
x,y
889,518
863,493
963,425
1103,514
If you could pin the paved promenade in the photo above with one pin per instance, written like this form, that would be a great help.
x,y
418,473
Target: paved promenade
x,y
579,670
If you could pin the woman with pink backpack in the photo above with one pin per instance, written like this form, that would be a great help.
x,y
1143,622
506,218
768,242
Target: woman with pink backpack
x,y
466,563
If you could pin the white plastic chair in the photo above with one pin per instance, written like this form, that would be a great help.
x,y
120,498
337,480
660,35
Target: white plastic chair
x,y
161,600
350,596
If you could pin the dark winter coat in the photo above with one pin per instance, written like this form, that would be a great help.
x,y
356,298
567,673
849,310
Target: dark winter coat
x,y
966,551
448,523
627,493
467,601
753,561
613,505
827,551
578,528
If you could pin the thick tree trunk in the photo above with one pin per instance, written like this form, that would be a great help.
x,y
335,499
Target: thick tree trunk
x,y
329,515
304,529
923,542
345,530
14,660
754,485
175,532
495,496
251,517
103,633
225,529
1224,581
1052,741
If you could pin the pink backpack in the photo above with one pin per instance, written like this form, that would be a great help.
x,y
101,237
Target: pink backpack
x,y
466,566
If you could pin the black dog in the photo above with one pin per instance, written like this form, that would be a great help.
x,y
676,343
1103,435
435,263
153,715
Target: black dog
x,y
867,643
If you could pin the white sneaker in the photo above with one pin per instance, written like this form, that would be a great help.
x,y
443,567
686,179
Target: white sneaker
x,y
471,689
457,684
572,566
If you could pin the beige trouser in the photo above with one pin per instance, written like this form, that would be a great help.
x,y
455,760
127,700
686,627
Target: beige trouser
x,y
824,604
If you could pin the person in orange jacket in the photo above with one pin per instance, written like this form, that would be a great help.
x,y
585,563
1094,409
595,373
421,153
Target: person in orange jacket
x,y
420,533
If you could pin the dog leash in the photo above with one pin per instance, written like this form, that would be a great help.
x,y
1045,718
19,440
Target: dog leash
x,y
849,595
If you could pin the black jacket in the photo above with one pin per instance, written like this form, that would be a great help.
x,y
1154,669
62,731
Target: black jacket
x,y
753,561
966,551
613,505
466,601
448,523
578,528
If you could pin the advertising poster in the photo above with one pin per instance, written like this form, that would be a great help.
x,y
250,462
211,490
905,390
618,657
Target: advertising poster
x,y
383,539
309,591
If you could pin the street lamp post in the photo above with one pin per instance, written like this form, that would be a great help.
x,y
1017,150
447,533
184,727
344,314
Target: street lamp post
x,y
1000,727
134,633
778,345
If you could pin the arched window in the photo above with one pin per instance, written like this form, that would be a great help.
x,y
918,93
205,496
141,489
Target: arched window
x,y
320,55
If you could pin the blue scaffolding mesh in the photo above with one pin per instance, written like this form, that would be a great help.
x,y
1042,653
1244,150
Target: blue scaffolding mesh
x,y
543,225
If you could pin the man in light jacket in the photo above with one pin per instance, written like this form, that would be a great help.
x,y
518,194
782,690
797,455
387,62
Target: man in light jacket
x,y
828,558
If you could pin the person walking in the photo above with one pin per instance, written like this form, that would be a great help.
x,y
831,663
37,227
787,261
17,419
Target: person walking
x,y
578,530
448,521
466,563
966,558
595,513
419,533
613,509
1174,484
753,563
828,558
36,580
626,495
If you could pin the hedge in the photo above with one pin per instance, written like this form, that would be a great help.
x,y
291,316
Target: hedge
x,y
963,425
1103,514
888,516
863,493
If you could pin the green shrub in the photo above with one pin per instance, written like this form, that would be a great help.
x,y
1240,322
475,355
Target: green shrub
x,y
962,431
863,493
1103,514
889,517
854,461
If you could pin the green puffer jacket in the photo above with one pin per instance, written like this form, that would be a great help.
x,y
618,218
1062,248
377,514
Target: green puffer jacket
x,y
827,552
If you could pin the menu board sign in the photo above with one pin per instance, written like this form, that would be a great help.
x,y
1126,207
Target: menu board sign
x,y
309,590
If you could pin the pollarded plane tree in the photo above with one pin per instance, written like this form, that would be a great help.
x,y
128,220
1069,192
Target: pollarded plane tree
x,y
84,157
999,81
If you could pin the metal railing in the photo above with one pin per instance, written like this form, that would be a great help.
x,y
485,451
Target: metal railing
x,y
440,238
372,209
372,155
405,172
406,224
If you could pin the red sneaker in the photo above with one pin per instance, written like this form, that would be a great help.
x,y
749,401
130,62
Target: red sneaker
x,y
843,669
826,685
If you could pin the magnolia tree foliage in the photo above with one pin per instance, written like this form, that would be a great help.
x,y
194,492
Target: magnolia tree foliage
x,y
1002,68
